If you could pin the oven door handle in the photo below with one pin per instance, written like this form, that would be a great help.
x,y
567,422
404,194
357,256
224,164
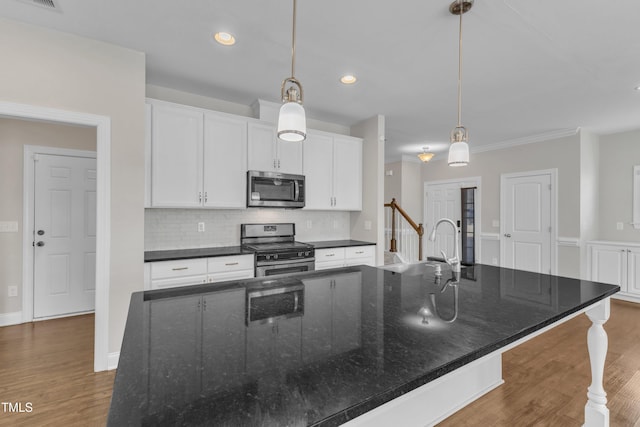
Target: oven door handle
x,y
296,190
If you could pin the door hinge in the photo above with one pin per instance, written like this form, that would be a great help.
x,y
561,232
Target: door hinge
x,y
549,229
549,186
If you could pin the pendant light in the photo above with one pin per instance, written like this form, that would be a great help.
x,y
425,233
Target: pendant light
x,y
425,156
292,124
459,149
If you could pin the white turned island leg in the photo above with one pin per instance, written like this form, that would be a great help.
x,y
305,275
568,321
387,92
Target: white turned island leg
x,y
596,413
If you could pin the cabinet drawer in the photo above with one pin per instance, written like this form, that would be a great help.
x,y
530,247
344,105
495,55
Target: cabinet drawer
x,y
330,254
329,264
180,281
359,251
230,263
230,275
178,268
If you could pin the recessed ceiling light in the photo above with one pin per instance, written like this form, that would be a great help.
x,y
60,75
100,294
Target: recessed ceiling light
x,y
225,39
637,88
348,79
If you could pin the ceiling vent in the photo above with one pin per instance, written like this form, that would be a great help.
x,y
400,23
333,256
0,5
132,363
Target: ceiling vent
x,y
44,4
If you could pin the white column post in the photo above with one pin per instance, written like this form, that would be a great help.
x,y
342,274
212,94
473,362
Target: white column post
x,y
596,413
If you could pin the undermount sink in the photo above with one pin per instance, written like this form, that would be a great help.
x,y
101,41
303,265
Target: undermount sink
x,y
414,268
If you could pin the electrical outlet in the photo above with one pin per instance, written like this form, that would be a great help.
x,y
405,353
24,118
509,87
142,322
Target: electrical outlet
x,y
619,226
494,261
201,227
367,225
13,291
309,223
335,224
8,226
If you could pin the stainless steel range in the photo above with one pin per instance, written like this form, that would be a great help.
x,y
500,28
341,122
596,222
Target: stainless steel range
x,y
276,250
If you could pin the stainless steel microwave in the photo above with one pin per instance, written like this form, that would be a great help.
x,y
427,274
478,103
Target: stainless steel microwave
x,y
275,190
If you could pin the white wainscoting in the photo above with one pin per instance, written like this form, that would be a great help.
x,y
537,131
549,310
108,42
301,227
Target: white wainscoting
x,y
490,248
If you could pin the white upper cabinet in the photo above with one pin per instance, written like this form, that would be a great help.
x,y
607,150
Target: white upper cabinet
x,y
176,157
333,172
269,153
198,158
318,165
225,161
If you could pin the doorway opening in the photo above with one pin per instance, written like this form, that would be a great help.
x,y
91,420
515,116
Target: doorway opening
x,y
102,359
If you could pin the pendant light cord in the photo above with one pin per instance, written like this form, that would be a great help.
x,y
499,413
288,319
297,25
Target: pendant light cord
x,y
293,41
459,66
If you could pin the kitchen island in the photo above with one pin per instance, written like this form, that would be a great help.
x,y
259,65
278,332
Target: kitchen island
x,y
357,345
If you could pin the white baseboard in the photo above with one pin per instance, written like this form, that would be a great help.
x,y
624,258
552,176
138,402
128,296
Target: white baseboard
x,y
7,319
112,360
626,297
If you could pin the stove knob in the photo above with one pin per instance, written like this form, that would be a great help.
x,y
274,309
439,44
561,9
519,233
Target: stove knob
x,y
300,254
275,256
307,253
267,257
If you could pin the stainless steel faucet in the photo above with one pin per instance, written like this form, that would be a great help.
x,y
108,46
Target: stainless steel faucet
x,y
454,261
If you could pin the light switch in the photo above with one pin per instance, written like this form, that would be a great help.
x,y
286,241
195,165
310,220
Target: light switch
x,y
619,226
8,226
367,225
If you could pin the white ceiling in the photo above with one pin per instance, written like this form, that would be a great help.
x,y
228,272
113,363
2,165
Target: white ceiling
x,y
531,67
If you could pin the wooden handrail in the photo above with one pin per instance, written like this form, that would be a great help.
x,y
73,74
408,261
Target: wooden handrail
x,y
417,227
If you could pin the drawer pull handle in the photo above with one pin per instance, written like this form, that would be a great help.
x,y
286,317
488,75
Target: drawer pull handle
x,y
180,268
232,263
359,252
331,255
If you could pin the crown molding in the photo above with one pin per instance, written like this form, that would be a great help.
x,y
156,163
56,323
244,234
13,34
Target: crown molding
x,y
560,133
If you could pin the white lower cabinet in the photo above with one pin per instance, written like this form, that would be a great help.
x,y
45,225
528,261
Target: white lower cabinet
x,y
345,257
617,264
166,274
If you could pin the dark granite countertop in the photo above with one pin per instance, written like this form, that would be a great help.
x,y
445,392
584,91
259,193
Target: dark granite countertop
x,y
338,244
191,356
173,254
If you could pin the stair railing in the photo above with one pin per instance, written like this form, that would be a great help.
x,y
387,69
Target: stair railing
x,y
417,227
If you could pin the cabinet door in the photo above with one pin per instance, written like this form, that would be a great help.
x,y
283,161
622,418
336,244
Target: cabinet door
x,y
289,156
225,161
609,265
262,147
347,312
174,353
317,320
347,173
633,271
318,171
223,340
260,343
176,157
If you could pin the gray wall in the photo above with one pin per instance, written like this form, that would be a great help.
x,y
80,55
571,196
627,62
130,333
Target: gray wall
x,y
52,69
618,154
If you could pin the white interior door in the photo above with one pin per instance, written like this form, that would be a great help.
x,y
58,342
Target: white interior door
x,y
526,232
443,201
64,235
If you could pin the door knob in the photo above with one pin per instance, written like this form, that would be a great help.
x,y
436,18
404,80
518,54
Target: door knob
x,y
507,235
40,243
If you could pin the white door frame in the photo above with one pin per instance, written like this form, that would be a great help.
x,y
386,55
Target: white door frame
x,y
477,182
103,213
553,173
29,185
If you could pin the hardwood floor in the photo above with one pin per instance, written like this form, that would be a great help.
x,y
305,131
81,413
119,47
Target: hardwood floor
x,y
546,378
50,364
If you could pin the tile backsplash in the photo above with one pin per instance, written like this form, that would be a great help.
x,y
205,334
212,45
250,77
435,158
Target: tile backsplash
x,y
178,228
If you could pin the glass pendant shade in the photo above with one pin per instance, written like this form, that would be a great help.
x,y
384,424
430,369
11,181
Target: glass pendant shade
x,y
292,123
425,157
459,154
